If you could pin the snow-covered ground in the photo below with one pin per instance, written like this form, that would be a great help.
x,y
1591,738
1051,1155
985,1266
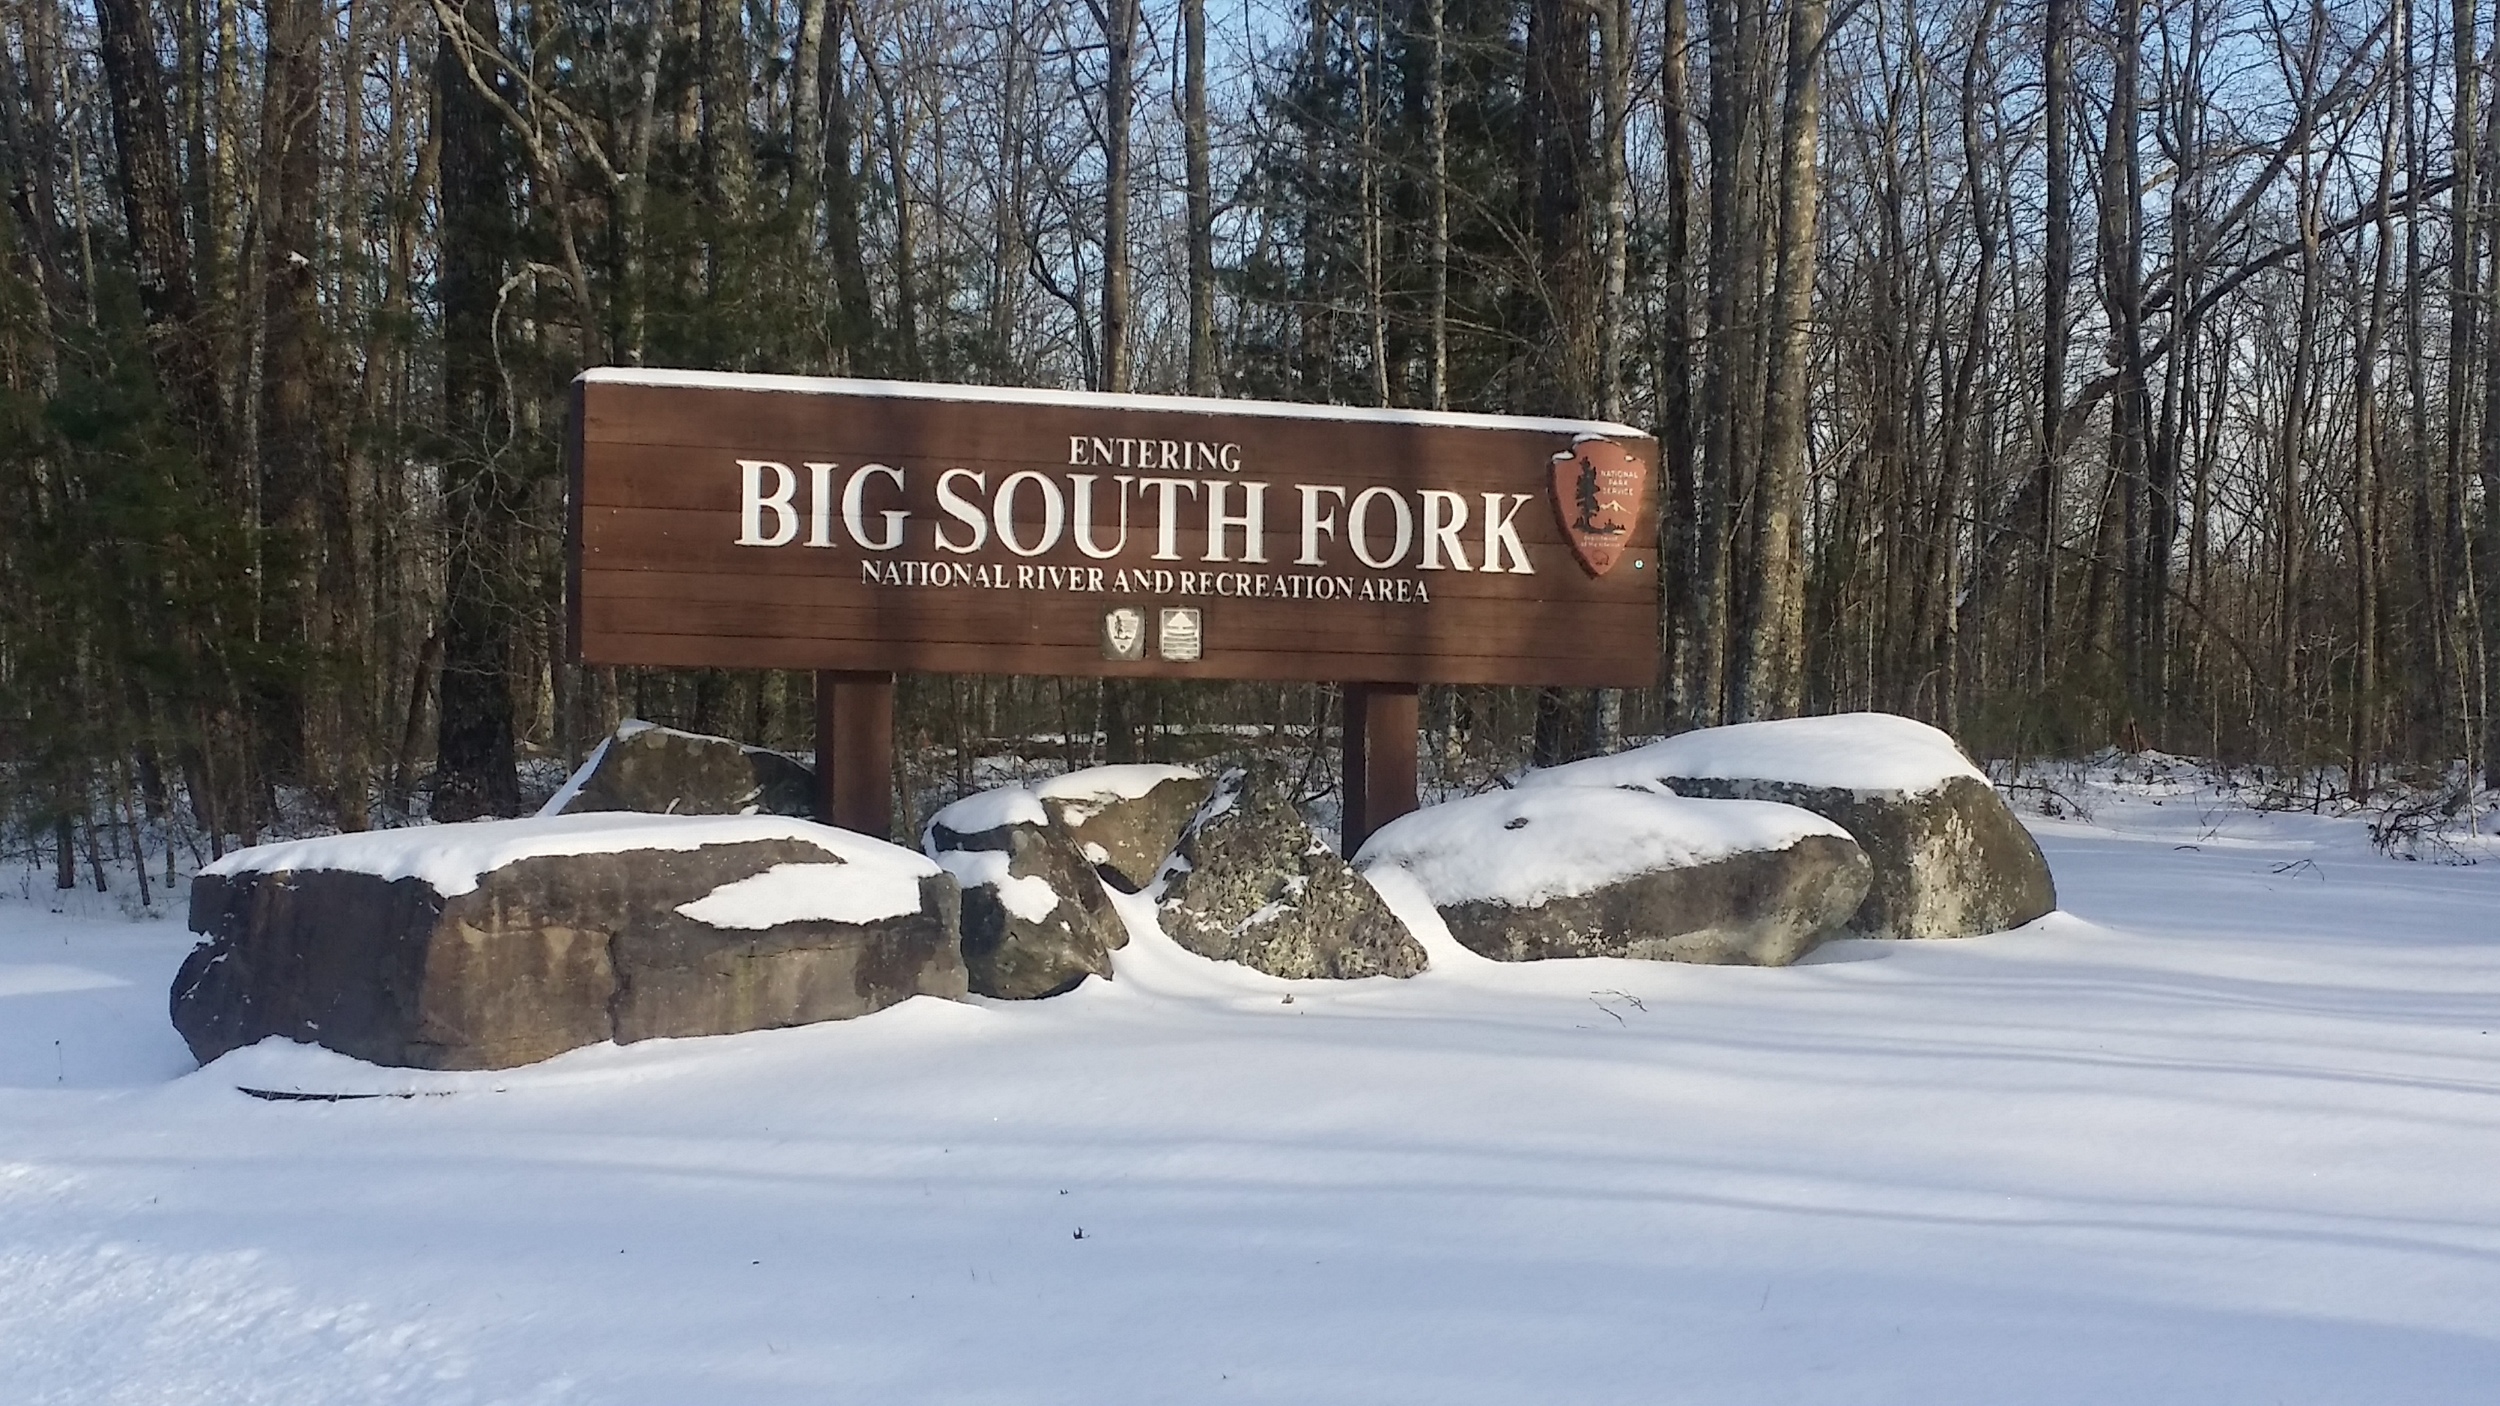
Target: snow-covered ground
x,y
2225,1130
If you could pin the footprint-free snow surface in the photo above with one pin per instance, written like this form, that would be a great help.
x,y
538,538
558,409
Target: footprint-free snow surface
x,y
2226,1129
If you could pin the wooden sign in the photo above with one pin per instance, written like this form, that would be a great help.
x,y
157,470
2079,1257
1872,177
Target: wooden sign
x,y
795,523
859,528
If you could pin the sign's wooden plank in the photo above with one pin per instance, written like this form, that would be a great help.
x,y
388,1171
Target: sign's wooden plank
x,y
726,606
1300,666
771,522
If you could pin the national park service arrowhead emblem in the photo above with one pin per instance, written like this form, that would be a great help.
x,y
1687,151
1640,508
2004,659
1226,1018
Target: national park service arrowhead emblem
x,y
1597,495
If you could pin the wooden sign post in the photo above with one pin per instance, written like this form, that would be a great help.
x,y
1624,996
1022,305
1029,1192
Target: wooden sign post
x,y
860,528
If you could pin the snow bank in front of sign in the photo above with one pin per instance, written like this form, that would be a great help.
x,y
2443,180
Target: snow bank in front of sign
x,y
1525,848
452,858
870,888
1844,752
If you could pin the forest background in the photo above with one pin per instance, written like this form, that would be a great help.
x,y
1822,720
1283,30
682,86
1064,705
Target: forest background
x,y
2069,373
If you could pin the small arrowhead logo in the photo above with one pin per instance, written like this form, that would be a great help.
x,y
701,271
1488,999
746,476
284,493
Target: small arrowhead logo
x,y
1598,487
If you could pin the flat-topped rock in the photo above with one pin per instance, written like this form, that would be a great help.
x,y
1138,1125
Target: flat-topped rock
x,y
498,943
1599,872
1950,858
645,767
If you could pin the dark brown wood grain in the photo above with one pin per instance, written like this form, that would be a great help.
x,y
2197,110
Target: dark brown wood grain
x,y
658,576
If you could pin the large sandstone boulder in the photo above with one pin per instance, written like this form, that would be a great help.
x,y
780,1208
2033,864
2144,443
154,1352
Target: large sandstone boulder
x,y
645,767
1253,883
1592,872
1126,819
1950,858
1036,921
498,943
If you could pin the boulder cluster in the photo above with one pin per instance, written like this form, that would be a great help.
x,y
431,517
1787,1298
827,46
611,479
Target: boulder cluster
x,y
673,888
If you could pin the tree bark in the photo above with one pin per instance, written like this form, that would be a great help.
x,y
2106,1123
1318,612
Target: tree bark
x,y
475,765
1770,675
2057,278
1200,178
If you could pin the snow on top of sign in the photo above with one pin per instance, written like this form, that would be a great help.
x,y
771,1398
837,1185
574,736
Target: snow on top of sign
x,y
1844,752
1027,896
1526,847
1093,400
870,887
452,858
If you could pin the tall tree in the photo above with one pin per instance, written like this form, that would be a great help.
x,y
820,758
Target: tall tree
x,y
1770,671
476,769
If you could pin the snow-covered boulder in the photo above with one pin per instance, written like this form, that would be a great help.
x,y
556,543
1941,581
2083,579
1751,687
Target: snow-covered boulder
x,y
1253,883
498,943
1590,872
1950,858
645,767
1036,921
1126,819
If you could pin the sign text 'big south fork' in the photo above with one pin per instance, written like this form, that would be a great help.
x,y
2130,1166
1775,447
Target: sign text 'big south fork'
x,y
785,522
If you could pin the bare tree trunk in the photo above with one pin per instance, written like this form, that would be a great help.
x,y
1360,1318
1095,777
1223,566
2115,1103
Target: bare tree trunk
x,y
2365,429
1122,700
303,507
2294,448
152,214
1119,86
855,320
1563,329
1200,177
1732,385
475,766
1770,673
1367,177
1675,372
2465,332
807,117
1437,370
2058,276
1614,47
2120,237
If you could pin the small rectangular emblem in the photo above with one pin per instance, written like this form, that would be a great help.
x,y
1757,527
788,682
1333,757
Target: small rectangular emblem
x,y
1179,639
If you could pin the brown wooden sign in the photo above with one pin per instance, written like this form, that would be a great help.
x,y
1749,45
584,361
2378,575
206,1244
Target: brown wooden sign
x,y
860,528
791,523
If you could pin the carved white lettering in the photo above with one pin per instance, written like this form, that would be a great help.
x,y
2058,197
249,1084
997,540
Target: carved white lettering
x,y
754,502
1501,537
1083,486
1054,512
1445,516
820,504
1252,521
1167,523
1316,520
962,510
1358,533
854,515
